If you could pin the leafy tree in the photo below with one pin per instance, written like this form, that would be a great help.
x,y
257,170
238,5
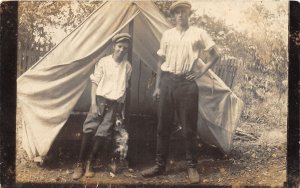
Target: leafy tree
x,y
164,7
38,18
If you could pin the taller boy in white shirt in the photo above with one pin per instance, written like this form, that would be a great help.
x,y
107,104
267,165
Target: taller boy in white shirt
x,y
176,88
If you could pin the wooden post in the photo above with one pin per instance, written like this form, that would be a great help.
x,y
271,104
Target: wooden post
x,y
130,54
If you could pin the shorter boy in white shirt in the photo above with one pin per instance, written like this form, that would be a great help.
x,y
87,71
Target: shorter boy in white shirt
x,y
108,93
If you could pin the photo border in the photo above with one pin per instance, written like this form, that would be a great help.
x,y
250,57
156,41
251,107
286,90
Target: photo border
x,y
8,64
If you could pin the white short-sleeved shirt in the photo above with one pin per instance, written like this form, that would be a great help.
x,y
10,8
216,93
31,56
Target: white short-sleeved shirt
x,y
181,50
112,78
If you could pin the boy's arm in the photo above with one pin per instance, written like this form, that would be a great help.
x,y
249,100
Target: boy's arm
x,y
214,58
93,99
95,79
156,93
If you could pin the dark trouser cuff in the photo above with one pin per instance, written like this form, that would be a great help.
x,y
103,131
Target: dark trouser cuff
x,y
192,164
160,160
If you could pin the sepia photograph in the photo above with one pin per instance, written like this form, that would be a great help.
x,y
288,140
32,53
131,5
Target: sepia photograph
x,y
152,93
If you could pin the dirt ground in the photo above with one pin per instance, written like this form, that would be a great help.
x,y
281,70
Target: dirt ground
x,y
257,158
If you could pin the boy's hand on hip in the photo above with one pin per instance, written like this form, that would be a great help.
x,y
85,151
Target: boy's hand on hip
x,y
195,75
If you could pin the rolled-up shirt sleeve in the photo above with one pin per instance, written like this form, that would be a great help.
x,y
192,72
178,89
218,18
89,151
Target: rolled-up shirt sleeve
x,y
98,73
207,41
163,46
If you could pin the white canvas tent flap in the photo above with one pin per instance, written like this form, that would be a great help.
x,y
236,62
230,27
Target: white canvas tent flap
x,y
50,89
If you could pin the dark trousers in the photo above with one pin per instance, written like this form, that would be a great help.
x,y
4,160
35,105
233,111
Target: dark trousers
x,y
102,125
180,96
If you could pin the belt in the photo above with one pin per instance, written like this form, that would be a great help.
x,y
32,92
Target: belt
x,y
176,77
105,101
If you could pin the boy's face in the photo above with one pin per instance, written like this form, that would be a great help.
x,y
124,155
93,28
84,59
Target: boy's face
x,y
182,15
120,49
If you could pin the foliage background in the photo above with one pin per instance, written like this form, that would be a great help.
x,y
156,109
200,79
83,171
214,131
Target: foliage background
x,y
262,50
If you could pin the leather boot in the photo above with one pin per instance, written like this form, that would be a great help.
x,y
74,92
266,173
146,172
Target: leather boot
x,y
89,171
153,171
78,171
193,175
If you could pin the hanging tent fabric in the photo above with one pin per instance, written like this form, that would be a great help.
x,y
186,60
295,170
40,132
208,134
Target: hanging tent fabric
x,y
51,88
219,110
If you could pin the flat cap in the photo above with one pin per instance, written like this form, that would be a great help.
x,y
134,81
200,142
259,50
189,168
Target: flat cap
x,y
121,37
180,3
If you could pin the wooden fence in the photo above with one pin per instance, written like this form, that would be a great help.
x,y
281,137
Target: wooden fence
x,y
227,70
29,55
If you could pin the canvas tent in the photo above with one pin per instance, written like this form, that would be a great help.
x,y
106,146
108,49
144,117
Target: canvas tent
x,y
56,85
